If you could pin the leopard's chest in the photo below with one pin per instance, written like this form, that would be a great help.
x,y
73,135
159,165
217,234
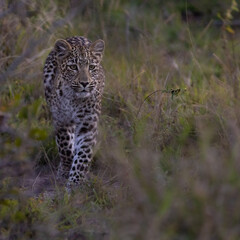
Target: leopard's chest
x,y
68,110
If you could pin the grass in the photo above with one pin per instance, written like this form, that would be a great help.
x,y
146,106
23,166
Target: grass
x,y
167,161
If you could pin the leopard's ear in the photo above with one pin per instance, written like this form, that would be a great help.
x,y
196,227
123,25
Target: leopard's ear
x,y
62,47
97,48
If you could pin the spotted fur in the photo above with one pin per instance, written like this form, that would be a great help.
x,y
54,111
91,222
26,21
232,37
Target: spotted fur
x,y
73,83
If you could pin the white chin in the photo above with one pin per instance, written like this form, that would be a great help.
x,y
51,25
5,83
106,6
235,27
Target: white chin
x,y
83,94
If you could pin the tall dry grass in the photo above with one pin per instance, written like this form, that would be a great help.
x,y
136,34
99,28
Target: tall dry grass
x,y
167,162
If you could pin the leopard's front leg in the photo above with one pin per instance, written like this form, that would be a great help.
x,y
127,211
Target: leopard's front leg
x,y
85,140
65,137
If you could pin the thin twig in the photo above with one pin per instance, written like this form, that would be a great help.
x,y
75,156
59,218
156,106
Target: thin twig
x,y
48,160
36,180
171,91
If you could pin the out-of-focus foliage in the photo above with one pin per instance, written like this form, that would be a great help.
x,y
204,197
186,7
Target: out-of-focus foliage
x,y
168,160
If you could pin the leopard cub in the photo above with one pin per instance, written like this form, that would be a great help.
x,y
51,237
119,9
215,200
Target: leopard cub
x,y
73,84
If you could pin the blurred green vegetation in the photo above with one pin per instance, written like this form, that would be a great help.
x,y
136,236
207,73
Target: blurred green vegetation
x,y
168,159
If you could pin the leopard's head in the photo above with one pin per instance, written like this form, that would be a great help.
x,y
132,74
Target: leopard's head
x,y
79,65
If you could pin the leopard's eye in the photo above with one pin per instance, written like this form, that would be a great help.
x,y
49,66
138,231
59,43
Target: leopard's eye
x,y
91,67
73,67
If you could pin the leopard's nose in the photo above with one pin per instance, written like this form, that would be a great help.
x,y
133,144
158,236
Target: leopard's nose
x,y
84,84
